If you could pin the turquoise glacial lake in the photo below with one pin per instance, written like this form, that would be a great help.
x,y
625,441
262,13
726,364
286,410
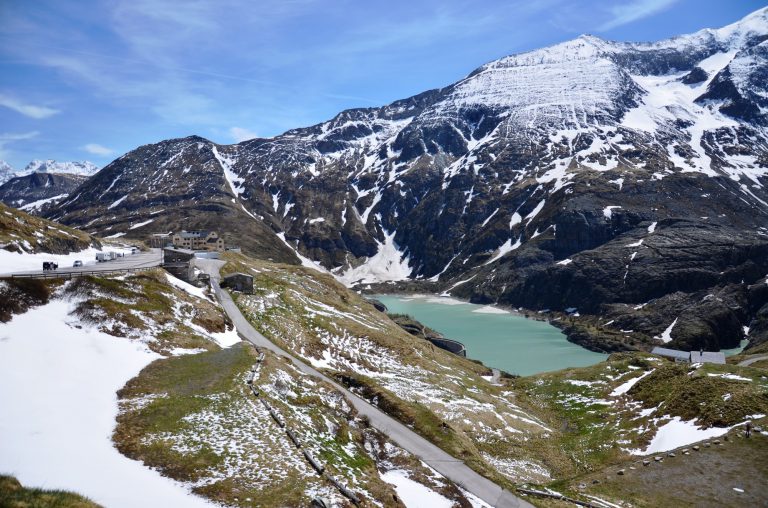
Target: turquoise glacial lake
x,y
498,338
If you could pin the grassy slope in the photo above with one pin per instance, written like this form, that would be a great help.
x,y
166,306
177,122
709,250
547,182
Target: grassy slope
x,y
21,232
442,396
194,418
14,495
145,306
590,429
597,429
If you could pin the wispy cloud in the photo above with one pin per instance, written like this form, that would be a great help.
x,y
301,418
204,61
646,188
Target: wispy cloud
x,y
628,12
10,137
29,110
97,149
239,134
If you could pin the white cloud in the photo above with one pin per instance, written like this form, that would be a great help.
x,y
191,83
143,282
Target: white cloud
x,y
97,149
29,110
239,134
10,137
634,10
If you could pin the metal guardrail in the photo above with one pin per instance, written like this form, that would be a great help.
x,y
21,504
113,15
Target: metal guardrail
x,y
70,275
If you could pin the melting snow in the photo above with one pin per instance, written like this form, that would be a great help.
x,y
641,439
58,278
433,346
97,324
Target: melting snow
x,y
535,211
136,226
36,205
608,211
117,202
235,182
414,494
677,433
388,264
57,391
733,377
666,335
624,387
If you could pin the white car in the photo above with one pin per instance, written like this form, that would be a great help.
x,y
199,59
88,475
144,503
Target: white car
x,y
77,264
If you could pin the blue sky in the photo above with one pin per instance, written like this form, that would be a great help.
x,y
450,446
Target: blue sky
x,y
82,79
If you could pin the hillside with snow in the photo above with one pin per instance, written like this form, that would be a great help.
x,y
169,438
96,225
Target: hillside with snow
x,y
503,179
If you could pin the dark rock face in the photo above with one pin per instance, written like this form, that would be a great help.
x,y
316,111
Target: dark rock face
x,y
614,179
697,75
24,191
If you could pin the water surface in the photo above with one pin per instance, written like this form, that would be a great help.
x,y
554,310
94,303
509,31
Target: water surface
x,y
496,337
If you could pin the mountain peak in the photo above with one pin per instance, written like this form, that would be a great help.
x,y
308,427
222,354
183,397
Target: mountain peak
x,y
6,172
51,166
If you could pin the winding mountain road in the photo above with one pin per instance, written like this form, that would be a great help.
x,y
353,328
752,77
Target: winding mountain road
x,y
447,465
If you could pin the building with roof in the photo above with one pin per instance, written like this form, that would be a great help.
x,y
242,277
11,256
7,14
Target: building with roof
x,y
198,240
239,282
690,356
179,262
672,354
708,357
160,240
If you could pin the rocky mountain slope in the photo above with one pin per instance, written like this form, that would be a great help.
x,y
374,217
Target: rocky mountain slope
x,y
36,191
41,183
619,184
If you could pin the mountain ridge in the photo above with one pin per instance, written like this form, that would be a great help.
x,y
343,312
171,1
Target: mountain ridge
x,y
509,177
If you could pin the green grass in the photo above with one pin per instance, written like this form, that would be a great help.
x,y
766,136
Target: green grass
x,y
14,495
182,382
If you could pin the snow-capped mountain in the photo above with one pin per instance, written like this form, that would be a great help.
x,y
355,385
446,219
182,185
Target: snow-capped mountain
x,y
41,184
38,191
84,168
6,172
591,176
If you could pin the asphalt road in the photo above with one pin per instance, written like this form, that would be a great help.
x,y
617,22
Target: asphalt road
x,y
447,465
752,360
128,262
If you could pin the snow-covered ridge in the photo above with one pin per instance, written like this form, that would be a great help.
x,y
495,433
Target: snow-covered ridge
x,y
51,166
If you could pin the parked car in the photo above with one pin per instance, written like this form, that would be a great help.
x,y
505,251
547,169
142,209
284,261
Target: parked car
x,y
77,263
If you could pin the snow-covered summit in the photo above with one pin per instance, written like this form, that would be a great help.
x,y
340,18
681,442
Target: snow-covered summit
x,y
6,172
51,166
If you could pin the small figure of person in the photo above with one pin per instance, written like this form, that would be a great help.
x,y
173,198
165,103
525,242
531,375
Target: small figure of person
x,y
748,429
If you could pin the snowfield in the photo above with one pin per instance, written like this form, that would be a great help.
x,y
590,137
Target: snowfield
x,y
58,383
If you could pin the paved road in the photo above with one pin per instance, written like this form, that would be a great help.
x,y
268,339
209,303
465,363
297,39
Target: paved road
x,y
128,262
447,465
752,360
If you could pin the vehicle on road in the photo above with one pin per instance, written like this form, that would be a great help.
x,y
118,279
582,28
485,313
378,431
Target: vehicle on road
x,y
105,256
49,265
77,263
